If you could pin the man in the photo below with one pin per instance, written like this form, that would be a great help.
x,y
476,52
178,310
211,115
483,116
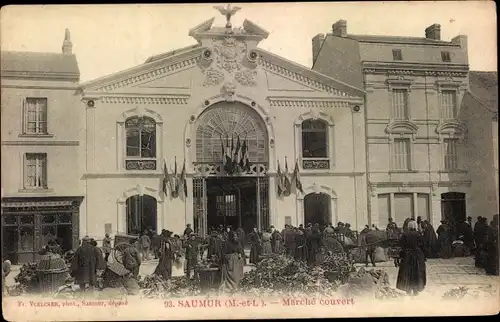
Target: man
x,y
276,241
391,227
164,267
371,241
301,227
155,244
106,246
84,264
192,251
144,243
132,258
188,231
419,224
469,221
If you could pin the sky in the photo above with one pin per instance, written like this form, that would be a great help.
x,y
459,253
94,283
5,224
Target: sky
x,y
110,38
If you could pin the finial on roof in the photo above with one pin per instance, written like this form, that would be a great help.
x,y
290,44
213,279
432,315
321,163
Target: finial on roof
x,y
67,47
228,12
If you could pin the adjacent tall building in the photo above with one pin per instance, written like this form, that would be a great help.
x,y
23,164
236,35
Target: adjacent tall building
x,y
423,159
41,159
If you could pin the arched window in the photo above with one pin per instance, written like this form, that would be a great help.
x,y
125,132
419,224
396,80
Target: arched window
x,y
317,209
314,139
141,137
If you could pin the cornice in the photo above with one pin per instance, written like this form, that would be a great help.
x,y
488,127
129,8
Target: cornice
x,y
278,101
41,143
416,69
162,100
40,76
161,68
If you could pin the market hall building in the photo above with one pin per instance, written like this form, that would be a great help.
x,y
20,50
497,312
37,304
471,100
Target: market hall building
x,y
198,106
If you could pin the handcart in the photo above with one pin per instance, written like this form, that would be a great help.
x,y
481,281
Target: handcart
x,y
122,242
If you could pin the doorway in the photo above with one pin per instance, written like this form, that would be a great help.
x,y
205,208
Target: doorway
x,y
317,209
453,208
141,214
230,201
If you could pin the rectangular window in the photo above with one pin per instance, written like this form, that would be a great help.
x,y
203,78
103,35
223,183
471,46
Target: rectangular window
x,y
423,206
226,205
35,116
384,209
35,171
397,54
402,154
400,104
450,154
403,207
445,56
449,104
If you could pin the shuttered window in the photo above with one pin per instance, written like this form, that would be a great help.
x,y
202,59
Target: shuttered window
x,y
401,154
448,104
400,104
450,154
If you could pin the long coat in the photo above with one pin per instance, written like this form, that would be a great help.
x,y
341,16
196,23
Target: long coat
x,y
412,273
445,241
313,245
255,249
84,264
164,268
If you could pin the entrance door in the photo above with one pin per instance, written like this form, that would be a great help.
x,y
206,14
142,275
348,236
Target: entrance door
x,y
317,209
230,201
141,214
453,208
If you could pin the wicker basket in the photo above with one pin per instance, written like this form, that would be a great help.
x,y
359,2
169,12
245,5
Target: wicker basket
x,y
52,273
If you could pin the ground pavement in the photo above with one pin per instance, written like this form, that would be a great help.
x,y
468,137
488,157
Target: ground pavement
x,y
442,274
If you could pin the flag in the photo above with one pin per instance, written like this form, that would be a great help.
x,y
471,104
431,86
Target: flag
x,y
243,154
279,180
247,162
183,179
227,162
287,185
223,151
236,155
296,177
166,178
175,191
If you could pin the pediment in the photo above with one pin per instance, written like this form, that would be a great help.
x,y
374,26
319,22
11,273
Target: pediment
x,y
179,80
451,127
401,127
280,83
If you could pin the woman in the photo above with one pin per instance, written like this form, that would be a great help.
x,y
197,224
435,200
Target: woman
x,y
232,263
255,248
166,252
313,244
412,274
266,243
444,240
106,247
300,241
430,240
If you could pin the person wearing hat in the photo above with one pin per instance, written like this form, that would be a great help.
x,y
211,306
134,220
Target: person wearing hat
x,y
192,251
132,258
164,267
188,230
106,246
85,263
444,240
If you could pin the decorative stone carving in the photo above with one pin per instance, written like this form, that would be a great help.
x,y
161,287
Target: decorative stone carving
x,y
217,170
305,103
246,77
140,164
229,90
213,77
373,189
272,143
315,164
229,52
188,142
178,100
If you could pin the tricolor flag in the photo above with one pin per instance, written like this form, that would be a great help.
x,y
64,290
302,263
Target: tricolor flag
x,y
183,179
296,177
175,190
236,154
166,178
286,180
279,180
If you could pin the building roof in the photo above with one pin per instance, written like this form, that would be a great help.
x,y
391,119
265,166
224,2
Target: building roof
x,y
39,64
171,53
401,40
484,86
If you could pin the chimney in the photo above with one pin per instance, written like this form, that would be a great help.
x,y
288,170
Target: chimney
x,y
433,32
317,42
67,47
340,28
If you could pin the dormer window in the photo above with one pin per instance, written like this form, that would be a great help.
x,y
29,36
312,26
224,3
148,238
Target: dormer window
x,y
445,56
397,54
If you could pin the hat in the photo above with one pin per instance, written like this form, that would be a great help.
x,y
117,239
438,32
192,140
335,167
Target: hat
x,y
168,232
86,238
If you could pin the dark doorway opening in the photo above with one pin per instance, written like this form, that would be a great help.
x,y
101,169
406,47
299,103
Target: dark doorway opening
x,y
453,208
141,214
317,209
